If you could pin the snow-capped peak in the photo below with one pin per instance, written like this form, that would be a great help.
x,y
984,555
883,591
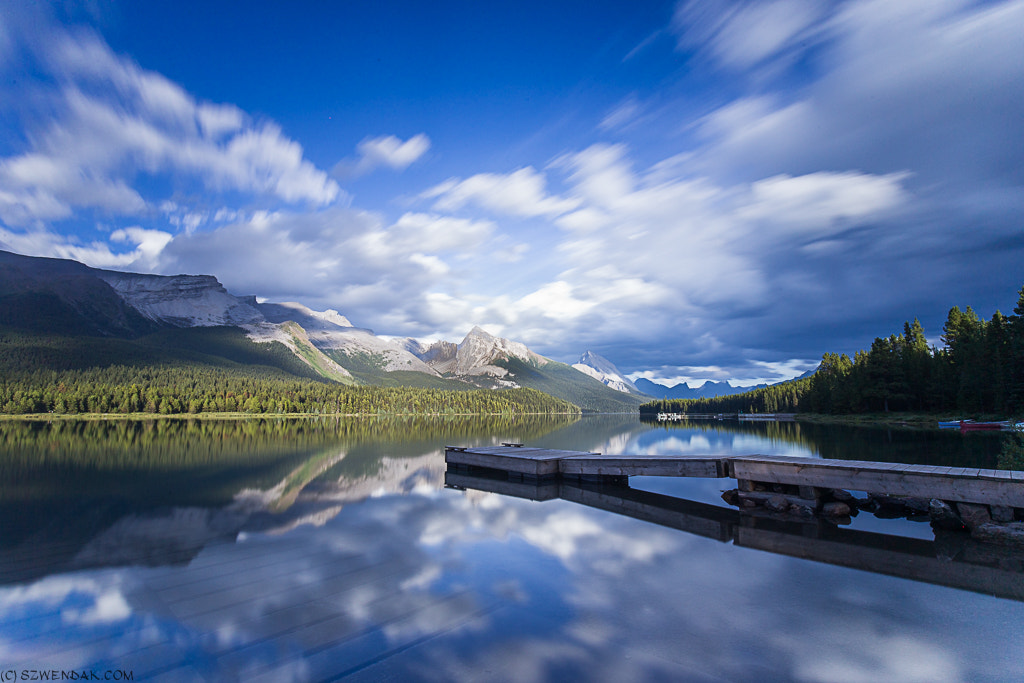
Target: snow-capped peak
x,y
603,370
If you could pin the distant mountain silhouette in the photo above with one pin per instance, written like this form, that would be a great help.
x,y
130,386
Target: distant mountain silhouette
x,y
683,390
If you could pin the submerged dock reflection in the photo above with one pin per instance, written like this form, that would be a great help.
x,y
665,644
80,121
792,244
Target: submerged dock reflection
x,y
952,559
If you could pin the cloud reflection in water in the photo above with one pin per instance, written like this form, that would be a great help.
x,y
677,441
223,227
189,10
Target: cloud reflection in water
x,y
457,586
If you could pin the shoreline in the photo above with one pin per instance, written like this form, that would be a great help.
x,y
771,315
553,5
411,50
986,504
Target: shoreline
x,y
53,417
910,420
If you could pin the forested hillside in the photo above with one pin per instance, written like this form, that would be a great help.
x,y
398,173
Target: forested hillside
x,y
211,370
979,370
568,384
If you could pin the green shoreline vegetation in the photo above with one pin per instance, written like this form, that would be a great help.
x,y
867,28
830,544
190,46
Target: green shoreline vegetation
x,y
979,373
173,390
201,371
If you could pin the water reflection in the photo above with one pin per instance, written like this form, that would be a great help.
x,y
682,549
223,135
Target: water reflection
x,y
880,443
951,559
76,495
346,557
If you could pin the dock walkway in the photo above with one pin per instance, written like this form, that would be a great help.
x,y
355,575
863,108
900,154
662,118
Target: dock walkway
x,y
807,476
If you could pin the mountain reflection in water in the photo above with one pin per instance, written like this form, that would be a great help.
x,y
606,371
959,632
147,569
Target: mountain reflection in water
x,y
339,553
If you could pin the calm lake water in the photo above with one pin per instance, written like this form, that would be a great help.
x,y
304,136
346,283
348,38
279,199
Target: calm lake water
x,y
316,550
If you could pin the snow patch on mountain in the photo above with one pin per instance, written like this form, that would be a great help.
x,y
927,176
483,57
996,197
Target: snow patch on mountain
x,y
603,370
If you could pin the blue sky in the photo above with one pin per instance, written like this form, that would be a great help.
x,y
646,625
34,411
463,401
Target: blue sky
x,y
695,190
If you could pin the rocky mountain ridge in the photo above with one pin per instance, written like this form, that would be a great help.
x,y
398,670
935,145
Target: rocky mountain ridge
x,y
58,296
182,300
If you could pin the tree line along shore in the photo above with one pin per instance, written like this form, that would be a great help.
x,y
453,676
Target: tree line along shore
x,y
183,390
979,370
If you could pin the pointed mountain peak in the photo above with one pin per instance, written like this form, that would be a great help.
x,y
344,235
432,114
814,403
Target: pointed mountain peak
x,y
603,370
597,361
479,332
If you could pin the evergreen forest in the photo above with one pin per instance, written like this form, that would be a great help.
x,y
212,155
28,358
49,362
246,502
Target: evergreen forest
x,y
184,372
979,370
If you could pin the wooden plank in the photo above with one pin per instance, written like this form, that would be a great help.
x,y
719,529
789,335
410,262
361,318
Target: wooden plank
x,y
958,484
998,475
925,469
536,468
535,462
877,480
652,466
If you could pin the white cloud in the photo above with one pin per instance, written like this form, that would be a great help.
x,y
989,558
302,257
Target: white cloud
x,y
144,247
648,254
109,119
36,187
622,115
386,151
741,34
921,85
148,243
817,201
520,193
391,152
380,275
440,233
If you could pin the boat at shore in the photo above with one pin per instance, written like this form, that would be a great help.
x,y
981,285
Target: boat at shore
x,y
971,426
976,426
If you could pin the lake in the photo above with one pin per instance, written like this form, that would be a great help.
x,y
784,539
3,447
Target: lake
x,y
313,550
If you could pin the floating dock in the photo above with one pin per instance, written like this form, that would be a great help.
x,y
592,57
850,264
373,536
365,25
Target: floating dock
x,y
802,480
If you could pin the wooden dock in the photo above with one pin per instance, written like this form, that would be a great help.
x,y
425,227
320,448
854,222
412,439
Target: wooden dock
x,y
803,479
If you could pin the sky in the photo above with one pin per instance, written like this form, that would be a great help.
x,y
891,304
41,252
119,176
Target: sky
x,y
694,190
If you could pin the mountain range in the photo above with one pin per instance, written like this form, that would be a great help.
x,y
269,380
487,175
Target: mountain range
x,y
153,318
194,319
682,390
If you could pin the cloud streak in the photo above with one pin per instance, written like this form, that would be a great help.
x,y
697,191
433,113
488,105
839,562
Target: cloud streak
x,y
116,120
756,184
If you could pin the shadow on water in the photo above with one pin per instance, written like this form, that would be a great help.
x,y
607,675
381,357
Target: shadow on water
x,y
952,559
